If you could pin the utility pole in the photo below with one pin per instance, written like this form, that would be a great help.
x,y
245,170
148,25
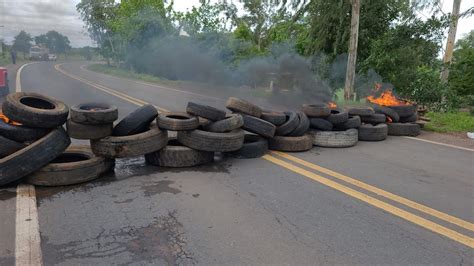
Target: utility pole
x,y
448,54
352,55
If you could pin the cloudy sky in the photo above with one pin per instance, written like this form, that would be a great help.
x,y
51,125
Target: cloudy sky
x,y
40,16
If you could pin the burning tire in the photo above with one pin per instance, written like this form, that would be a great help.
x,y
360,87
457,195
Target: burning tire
x,y
403,129
241,106
94,113
33,157
254,146
320,124
409,119
338,116
291,144
335,139
374,119
404,110
352,122
369,132
35,110
8,146
211,141
292,121
21,133
231,122
136,122
389,112
302,127
177,155
273,117
76,165
205,111
82,131
316,110
258,126
360,110
177,121
149,141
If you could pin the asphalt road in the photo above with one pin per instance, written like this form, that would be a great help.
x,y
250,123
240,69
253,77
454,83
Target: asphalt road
x,y
400,201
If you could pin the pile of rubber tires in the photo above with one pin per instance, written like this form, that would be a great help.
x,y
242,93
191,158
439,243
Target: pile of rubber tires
x,y
403,119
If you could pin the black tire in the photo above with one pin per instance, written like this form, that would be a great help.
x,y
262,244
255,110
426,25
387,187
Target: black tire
x,y
374,119
231,122
321,124
205,111
369,132
404,129
211,141
316,110
136,122
94,113
33,157
292,121
389,112
275,118
360,110
302,127
409,119
21,133
254,146
149,141
404,110
8,146
335,139
258,126
338,116
35,110
177,121
77,164
241,106
177,155
291,144
82,131
352,122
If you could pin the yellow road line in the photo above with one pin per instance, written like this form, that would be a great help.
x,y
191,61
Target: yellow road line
x,y
439,229
380,192
108,90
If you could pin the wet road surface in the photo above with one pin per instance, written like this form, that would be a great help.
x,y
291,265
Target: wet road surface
x,y
257,211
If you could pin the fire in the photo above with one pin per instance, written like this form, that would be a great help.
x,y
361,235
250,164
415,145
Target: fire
x,y
389,120
387,99
7,120
332,105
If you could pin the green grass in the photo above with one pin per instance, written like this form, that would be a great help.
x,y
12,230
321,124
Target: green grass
x,y
450,122
114,71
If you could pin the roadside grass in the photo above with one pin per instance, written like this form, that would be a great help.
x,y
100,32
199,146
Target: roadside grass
x,y
450,122
114,71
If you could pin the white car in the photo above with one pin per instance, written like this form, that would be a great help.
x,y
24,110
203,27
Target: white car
x,y
52,57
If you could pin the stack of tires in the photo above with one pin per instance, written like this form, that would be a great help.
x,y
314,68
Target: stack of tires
x,y
332,127
373,125
36,148
402,120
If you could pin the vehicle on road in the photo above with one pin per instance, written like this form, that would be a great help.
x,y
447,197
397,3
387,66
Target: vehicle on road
x,y
52,57
4,90
39,53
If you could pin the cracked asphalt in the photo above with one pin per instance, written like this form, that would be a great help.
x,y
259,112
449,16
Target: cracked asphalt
x,y
236,212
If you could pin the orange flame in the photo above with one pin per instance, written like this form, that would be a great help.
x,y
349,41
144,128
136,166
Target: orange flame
x,y
332,105
7,120
387,99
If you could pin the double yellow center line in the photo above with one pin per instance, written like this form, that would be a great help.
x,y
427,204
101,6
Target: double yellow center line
x,y
313,171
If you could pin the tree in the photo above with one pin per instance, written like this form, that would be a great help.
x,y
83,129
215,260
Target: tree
x,y
54,41
22,42
352,58
448,55
461,77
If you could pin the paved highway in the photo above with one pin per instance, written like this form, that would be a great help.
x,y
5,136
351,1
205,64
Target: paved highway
x,y
401,201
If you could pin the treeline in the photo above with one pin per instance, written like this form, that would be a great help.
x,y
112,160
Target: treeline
x,y
395,45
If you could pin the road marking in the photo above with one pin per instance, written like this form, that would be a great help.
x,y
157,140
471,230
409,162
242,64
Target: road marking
x,y
18,76
108,90
381,192
440,143
434,227
27,238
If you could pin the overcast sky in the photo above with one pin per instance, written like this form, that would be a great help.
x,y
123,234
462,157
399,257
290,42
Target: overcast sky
x,y
39,16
